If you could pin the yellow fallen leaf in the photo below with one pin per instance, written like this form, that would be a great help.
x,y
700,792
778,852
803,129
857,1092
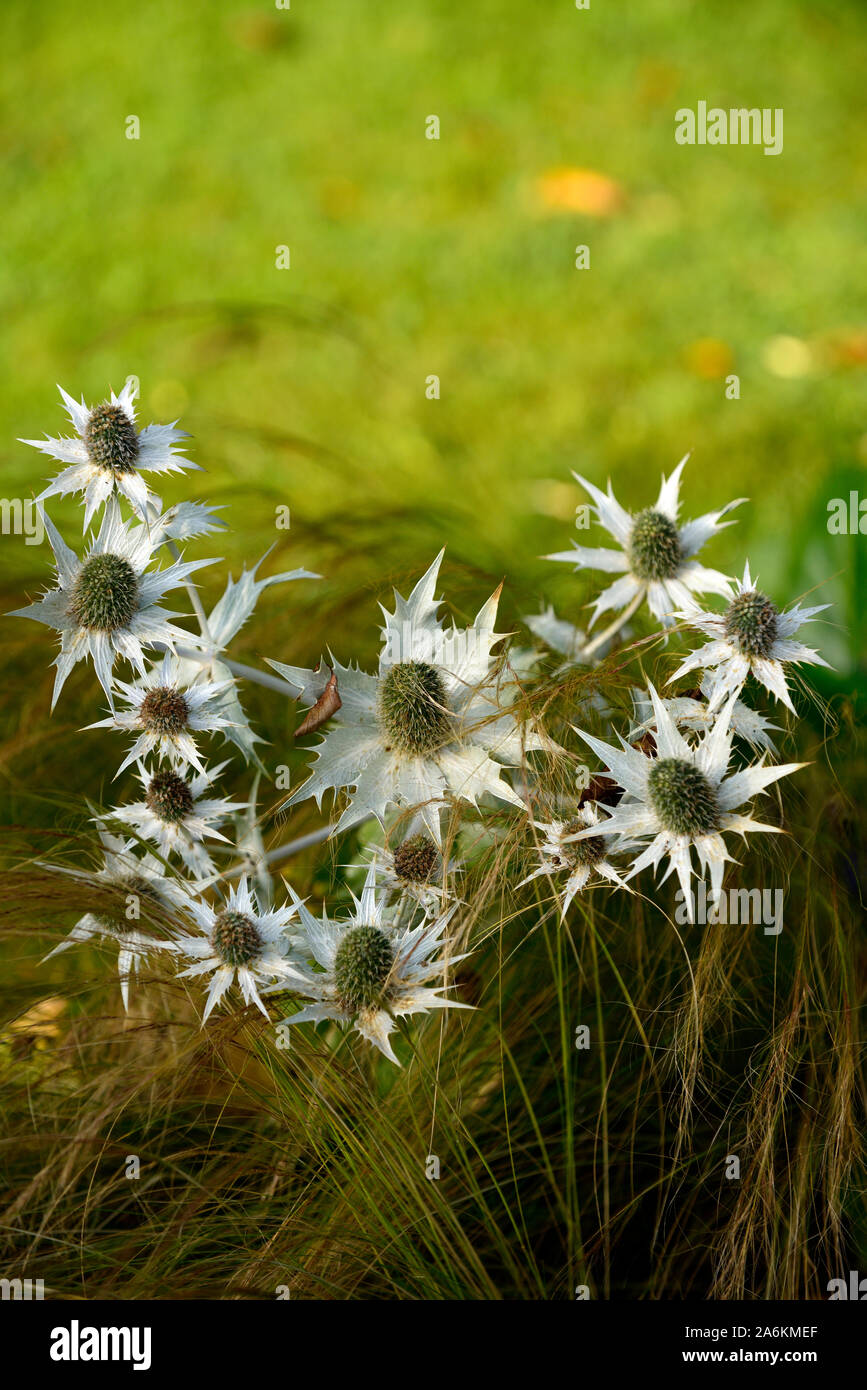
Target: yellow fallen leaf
x,y
580,190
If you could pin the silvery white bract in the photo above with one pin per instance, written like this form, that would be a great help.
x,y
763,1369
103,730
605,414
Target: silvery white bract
x,y
556,633
225,620
427,727
570,641
371,972
183,521
165,712
682,797
752,637
563,852
238,941
107,605
110,453
141,881
176,815
656,559
700,715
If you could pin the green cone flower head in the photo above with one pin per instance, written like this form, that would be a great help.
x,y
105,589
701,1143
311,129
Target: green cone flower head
x,y
656,560
753,637
431,727
370,972
682,800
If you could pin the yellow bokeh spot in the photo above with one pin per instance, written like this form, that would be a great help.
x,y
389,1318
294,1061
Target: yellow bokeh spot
x,y
709,358
787,357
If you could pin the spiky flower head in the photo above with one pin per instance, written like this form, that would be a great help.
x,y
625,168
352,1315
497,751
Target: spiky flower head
x,y
111,439
656,560
235,938
362,965
565,850
109,453
751,637
682,799
654,546
176,815
169,795
415,860
107,604
751,623
239,941
433,725
371,972
412,708
166,709
415,870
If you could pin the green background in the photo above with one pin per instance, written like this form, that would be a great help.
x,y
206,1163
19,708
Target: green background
x,y
305,127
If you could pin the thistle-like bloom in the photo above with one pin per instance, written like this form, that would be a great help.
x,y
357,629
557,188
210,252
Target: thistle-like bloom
x,y
371,971
238,941
142,889
106,605
176,816
682,797
656,559
165,711
700,715
414,869
225,620
579,859
428,726
752,637
110,453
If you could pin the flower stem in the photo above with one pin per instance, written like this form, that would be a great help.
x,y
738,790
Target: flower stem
x,y
274,856
602,637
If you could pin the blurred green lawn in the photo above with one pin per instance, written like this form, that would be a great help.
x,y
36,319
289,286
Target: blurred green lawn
x,y
411,257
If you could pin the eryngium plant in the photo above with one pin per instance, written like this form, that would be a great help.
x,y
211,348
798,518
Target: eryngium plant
x,y
429,738
464,835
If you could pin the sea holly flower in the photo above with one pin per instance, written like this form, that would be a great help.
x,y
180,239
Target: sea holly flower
x,y
141,889
656,560
683,797
562,852
239,942
175,814
370,971
107,605
225,620
110,453
428,726
699,715
752,637
165,712
414,869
